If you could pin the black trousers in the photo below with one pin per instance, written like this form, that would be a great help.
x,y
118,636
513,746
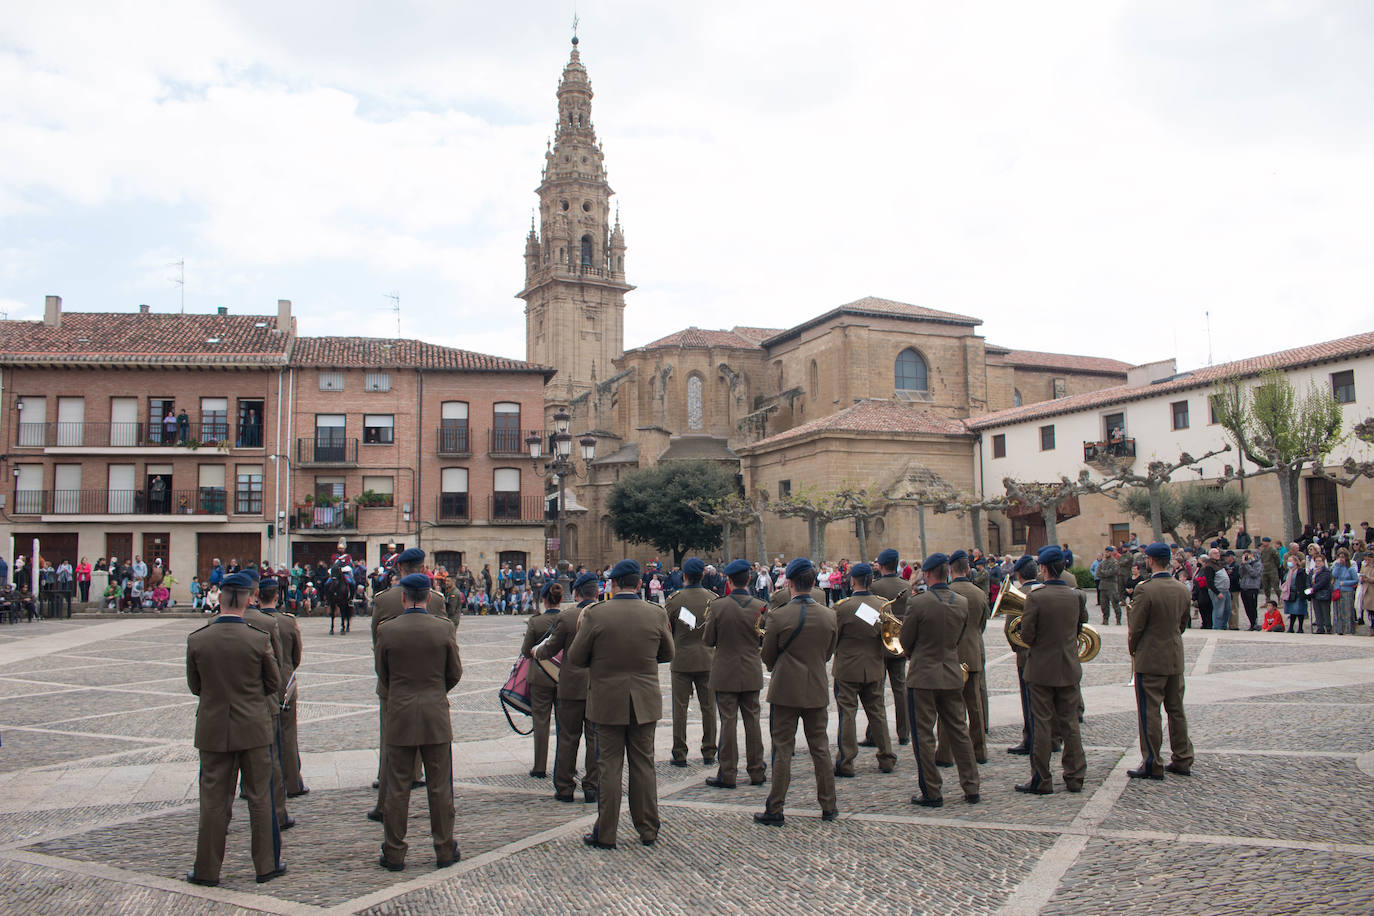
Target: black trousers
x,y
1250,598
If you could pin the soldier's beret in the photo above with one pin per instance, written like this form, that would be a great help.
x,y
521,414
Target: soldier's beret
x,y
416,582
888,557
1159,550
735,567
1050,554
934,561
411,555
1264,540
544,592
251,573
239,580
587,578
958,555
797,566
860,570
1109,549
693,566
1023,564
625,568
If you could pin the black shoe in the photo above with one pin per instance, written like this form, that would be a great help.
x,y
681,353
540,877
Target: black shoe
x,y
420,783
943,765
973,798
445,863
648,841
537,774
716,782
303,791
769,820
387,864
678,763
868,742
1074,789
376,784
203,882
925,801
758,782
274,873
375,815
708,761
903,741
1031,788
982,761
1177,770
1142,773
1020,750
288,823
842,775
564,798
830,815
591,840
589,797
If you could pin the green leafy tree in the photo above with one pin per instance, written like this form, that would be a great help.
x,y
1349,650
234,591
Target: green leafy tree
x,y
1150,486
653,506
1211,510
1158,507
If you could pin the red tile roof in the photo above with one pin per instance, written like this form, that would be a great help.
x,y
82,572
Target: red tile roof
x,y
1034,359
1327,351
871,416
142,338
756,334
875,307
697,338
402,353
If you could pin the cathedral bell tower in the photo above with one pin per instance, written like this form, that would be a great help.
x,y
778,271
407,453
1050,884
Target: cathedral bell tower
x,y
575,256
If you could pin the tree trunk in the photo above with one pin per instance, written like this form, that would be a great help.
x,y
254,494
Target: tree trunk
x,y
811,537
818,555
759,544
975,516
678,554
1288,479
1156,510
1051,516
725,531
861,529
921,530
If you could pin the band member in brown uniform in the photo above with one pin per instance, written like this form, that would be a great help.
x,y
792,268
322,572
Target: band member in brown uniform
x,y
890,585
623,641
971,656
1054,615
1159,613
290,632
934,623
231,668
736,676
691,668
1026,572
417,660
859,671
253,616
543,689
385,606
800,638
571,709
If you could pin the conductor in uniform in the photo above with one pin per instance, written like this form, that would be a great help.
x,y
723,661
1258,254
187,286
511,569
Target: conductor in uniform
x,y
935,622
1158,616
972,657
799,639
736,676
889,585
570,710
691,668
859,671
623,641
231,668
1054,615
417,662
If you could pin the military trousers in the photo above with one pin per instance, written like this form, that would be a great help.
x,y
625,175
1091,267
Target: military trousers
x,y
927,708
977,727
1109,599
383,750
1152,691
542,698
290,751
848,696
573,727
438,761
220,772
782,723
896,679
278,774
614,744
684,683
732,706
1269,584
1054,714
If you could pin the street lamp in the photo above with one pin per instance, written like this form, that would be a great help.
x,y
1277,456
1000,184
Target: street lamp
x,y
561,465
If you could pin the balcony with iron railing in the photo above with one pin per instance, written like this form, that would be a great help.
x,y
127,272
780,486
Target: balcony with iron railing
x,y
453,441
1115,451
514,509
326,450
201,501
212,430
343,517
453,509
506,442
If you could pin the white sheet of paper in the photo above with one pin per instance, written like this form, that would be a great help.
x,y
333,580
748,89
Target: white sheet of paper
x,y
867,614
688,618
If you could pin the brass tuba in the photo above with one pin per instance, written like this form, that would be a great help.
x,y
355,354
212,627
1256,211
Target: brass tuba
x,y
890,627
1011,601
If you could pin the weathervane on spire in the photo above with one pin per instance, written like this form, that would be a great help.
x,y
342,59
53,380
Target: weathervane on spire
x,y
574,38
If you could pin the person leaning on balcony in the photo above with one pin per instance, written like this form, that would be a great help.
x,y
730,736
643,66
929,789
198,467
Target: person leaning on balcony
x,y
169,428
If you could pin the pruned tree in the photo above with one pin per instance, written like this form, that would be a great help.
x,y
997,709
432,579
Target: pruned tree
x,y
817,509
1280,432
1160,509
1048,497
1211,510
650,506
1354,470
732,512
861,504
1151,484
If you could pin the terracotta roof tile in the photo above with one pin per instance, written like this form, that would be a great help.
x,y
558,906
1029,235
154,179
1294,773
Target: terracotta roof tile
x,y
874,306
399,353
872,416
698,338
1342,348
756,334
1034,359
141,338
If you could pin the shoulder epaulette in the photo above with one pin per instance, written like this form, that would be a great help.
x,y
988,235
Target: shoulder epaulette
x,y
205,626
259,629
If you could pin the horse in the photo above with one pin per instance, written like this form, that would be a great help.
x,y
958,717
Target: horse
x,y
338,591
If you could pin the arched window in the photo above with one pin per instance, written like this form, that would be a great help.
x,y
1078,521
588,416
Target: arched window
x,y
815,378
1016,397
911,372
586,251
694,402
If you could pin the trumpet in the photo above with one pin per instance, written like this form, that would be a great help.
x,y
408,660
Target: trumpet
x,y
1011,601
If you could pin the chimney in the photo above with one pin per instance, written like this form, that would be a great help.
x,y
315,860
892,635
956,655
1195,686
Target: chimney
x,y
52,311
222,310
283,315
143,309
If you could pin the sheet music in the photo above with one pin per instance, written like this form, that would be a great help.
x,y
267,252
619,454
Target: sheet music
x,y
867,614
688,618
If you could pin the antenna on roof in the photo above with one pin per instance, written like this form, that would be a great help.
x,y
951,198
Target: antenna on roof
x,y
395,307
180,280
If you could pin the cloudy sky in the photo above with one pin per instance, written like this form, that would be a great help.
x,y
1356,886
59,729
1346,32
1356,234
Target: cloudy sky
x,y
1085,176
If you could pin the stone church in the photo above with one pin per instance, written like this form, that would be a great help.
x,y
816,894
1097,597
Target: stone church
x,y
869,393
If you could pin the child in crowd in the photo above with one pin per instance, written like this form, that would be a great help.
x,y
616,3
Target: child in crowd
x,y
197,594
161,597
211,605
1273,619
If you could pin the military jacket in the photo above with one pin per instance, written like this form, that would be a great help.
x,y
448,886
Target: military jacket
x,y
1158,615
690,652
572,679
781,596
732,631
971,651
538,627
622,641
934,623
231,667
799,675
859,650
289,629
254,617
391,602
1107,570
417,659
1050,625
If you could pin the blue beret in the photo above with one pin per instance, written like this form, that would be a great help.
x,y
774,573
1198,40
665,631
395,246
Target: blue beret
x,y
1023,564
799,565
625,568
981,561
239,580
411,555
416,582
934,561
1159,550
693,566
888,557
1264,540
860,570
587,578
1050,554
544,592
252,573
958,555
735,567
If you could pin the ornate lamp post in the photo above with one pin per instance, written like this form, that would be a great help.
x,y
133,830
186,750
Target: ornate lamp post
x,y
561,465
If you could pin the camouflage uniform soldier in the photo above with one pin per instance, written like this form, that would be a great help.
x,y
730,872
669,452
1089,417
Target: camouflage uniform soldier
x,y
1107,586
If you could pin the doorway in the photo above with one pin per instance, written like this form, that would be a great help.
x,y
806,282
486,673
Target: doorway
x,y
1321,501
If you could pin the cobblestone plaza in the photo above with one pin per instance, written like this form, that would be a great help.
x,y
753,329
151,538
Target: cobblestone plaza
x,y
98,790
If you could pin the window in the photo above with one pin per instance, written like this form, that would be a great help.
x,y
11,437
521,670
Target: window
x,y
910,372
1057,388
1343,386
158,433
331,488
214,420
505,428
999,445
450,560
506,493
71,420
377,381
378,429
586,251
157,545
1179,409
331,381
1047,438
1020,533
28,489
1016,397
1121,533
33,418
250,423
453,493
330,442
66,489
1114,426
453,427
248,489
815,378
210,489
784,489
694,418
382,489
1213,400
